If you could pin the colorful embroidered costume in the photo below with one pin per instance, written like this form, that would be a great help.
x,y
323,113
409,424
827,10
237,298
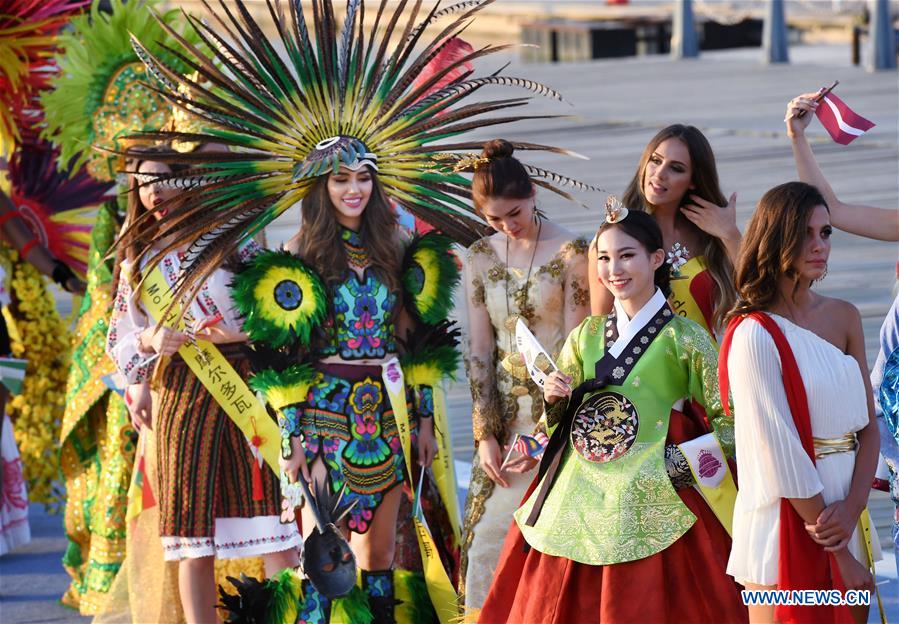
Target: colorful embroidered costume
x,y
604,522
502,404
97,442
208,505
343,411
97,96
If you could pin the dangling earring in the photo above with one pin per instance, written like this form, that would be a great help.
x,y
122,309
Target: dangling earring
x,y
821,279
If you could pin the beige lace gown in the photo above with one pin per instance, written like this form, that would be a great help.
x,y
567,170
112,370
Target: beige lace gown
x,y
555,301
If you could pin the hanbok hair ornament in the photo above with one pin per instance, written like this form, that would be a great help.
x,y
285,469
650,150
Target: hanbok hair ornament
x,y
615,210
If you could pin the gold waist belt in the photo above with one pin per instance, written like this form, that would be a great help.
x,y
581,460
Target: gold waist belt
x,y
828,446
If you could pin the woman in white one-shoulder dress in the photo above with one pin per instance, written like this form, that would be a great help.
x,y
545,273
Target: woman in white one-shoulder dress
x,y
785,251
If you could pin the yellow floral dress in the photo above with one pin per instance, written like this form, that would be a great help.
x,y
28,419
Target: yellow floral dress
x,y
552,301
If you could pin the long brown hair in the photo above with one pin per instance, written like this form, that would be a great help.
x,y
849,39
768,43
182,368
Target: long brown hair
x,y
137,242
502,175
706,185
319,242
773,241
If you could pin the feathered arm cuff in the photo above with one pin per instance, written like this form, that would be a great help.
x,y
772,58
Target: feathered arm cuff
x,y
286,392
431,356
430,276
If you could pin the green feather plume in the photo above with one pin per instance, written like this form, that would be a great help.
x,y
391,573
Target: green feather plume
x,y
92,55
431,353
285,387
430,276
286,597
280,298
352,609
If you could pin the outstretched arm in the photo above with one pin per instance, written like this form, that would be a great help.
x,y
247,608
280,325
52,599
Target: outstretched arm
x,y
868,221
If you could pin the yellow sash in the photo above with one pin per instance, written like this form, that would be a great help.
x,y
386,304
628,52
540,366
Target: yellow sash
x,y
440,588
720,492
681,299
864,522
225,385
443,468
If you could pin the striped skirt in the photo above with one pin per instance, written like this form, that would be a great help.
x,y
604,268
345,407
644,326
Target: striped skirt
x,y
205,462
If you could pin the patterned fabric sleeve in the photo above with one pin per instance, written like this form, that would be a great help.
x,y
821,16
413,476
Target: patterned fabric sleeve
x,y
571,363
479,357
128,320
702,356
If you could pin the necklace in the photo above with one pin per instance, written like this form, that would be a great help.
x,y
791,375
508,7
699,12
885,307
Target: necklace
x,y
356,254
513,362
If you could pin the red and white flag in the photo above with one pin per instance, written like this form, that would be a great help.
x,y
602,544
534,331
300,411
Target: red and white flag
x,y
842,123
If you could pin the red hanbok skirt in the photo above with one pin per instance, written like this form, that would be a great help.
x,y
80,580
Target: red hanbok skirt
x,y
687,582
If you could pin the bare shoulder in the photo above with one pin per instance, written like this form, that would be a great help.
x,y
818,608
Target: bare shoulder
x,y
838,310
842,321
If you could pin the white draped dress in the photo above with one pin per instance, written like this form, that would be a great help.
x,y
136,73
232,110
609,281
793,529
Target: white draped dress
x,y
770,459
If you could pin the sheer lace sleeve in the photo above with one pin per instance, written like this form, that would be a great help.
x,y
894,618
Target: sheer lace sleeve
x,y
577,297
481,349
768,444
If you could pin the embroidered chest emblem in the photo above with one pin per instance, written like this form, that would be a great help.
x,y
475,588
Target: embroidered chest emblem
x,y
604,427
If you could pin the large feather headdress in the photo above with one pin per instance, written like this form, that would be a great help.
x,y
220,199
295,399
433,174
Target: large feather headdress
x,y
319,93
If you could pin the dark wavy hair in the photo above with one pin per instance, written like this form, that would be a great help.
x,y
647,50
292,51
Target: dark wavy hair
x,y
643,227
772,243
502,175
319,242
706,185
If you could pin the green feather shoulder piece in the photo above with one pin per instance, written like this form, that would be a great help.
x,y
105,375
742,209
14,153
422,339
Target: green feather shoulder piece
x,y
430,276
431,354
280,298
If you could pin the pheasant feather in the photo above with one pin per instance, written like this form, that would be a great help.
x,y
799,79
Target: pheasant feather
x,y
321,90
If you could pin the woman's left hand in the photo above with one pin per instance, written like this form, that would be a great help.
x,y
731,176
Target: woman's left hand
x,y
717,221
427,443
834,526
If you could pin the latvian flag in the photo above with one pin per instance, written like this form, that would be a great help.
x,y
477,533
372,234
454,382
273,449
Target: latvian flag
x,y
532,446
840,121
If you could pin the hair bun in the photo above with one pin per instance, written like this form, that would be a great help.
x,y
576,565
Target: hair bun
x,y
497,148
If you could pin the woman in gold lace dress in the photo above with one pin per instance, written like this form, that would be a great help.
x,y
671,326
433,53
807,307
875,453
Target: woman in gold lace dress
x,y
535,270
